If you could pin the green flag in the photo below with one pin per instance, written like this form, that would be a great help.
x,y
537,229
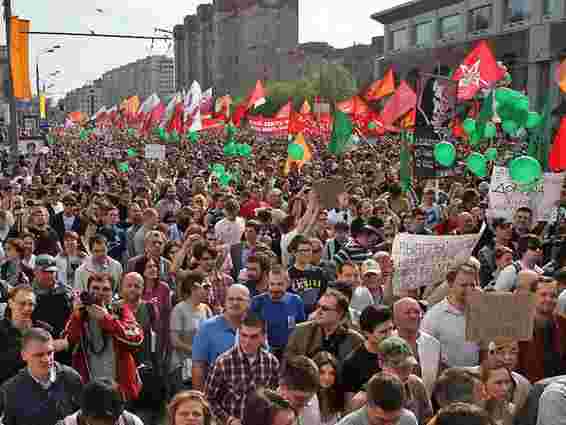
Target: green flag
x,y
341,133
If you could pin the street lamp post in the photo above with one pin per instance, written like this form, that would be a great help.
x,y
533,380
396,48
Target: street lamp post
x,y
44,52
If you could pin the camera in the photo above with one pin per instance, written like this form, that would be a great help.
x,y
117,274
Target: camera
x,y
87,299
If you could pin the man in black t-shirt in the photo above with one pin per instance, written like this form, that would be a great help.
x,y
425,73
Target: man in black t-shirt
x,y
376,324
307,281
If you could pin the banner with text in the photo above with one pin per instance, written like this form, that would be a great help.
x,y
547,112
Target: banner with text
x,y
505,196
424,260
155,151
269,126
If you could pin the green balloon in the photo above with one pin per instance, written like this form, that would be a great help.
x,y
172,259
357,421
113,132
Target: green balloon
x,y
491,154
192,136
123,167
161,132
83,134
445,154
533,120
218,169
490,131
230,149
230,130
131,132
510,127
475,138
132,152
224,179
372,125
295,151
469,126
525,170
245,150
477,164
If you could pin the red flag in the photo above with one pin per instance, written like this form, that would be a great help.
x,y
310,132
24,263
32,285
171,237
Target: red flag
x,y
297,122
381,88
353,106
403,100
557,155
257,96
239,113
285,111
176,122
153,117
478,71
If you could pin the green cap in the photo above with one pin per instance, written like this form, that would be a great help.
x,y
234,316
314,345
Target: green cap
x,y
396,352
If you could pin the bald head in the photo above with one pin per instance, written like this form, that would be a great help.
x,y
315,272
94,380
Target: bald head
x,y
407,314
237,302
527,281
132,287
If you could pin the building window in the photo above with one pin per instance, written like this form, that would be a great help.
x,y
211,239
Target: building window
x,y
450,25
424,34
480,18
551,7
399,39
516,10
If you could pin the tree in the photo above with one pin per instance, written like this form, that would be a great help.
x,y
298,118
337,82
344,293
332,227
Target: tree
x,y
332,82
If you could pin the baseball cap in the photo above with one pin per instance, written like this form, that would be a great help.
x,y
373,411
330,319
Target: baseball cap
x,y
46,263
397,352
370,266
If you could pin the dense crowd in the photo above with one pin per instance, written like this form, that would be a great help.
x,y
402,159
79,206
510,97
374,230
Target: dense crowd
x,y
129,285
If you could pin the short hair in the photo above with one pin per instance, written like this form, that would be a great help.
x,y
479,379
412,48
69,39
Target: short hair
x,y
373,316
101,398
201,247
69,234
385,391
342,301
417,211
23,287
152,234
232,205
465,265
254,223
278,269
97,239
300,373
263,261
252,320
463,414
187,281
296,241
455,384
347,263
17,244
35,334
99,277
470,195
501,250
262,405
524,209
184,396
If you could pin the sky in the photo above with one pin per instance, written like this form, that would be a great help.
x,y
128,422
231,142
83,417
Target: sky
x,y
80,60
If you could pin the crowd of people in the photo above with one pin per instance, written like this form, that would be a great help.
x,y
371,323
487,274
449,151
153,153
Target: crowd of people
x,y
129,290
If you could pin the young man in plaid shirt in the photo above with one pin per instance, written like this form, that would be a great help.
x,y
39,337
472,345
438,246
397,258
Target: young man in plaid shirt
x,y
239,371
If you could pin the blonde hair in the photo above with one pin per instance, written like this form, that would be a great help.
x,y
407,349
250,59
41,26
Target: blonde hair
x,y
184,396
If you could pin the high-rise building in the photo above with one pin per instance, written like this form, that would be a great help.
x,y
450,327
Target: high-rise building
x,y
229,45
153,74
86,99
526,35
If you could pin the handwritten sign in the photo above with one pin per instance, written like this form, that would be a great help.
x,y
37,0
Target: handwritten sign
x,y
493,314
505,196
424,260
328,191
155,151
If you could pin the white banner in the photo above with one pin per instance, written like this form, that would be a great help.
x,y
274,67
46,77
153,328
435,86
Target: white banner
x,y
505,197
424,260
155,151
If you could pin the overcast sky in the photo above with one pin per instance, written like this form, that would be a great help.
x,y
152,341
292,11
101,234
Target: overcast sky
x,y
82,59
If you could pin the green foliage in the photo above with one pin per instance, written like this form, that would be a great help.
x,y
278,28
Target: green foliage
x,y
330,81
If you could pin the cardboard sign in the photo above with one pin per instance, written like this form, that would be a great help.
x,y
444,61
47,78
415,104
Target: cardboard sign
x,y
424,260
425,164
155,151
328,191
505,196
493,314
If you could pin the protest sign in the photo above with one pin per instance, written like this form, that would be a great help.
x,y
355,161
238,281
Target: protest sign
x,y
505,196
328,191
491,315
424,260
155,151
270,126
425,140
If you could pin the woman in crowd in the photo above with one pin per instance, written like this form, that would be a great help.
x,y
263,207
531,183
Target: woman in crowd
x,y
189,408
266,407
70,259
330,396
13,270
497,384
184,323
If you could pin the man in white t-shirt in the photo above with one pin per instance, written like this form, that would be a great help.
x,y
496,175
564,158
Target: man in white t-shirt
x,y
230,229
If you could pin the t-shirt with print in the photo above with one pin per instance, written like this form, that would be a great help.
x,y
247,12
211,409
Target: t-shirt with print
x,y
309,284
